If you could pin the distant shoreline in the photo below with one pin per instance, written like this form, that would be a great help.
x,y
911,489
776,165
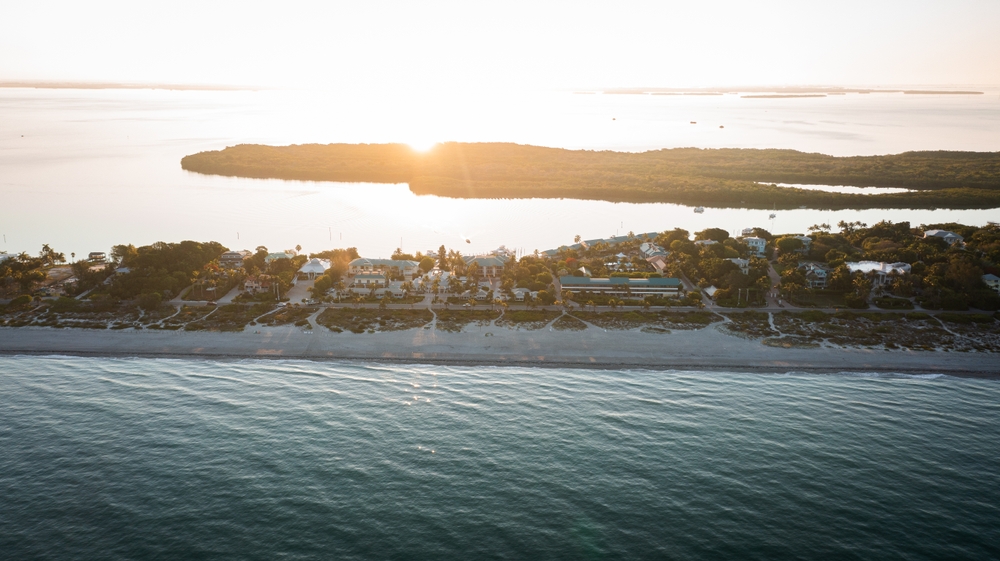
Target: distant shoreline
x,y
40,85
704,349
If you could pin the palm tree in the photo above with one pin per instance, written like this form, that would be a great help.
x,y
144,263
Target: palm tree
x,y
592,304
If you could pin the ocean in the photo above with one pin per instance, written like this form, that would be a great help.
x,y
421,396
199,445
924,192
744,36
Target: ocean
x,y
119,458
83,170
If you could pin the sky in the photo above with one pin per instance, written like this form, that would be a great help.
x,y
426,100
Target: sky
x,y
371,45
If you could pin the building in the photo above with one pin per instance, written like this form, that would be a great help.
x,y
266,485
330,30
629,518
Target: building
x,y
806,244
259,283
521,294
816,275
94,257
232,259
623,287
757,245
392,267
881,271
486,266
951,237
743,264
287,254
704,243
992,281
314,268
370,280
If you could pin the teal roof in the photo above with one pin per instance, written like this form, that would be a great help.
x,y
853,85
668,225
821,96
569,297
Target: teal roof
x,y
585,282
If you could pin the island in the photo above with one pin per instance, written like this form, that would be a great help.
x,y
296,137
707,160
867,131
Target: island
x,y
885,297
743,178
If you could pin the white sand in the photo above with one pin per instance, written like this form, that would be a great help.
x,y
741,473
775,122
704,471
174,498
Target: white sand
x,y
702,349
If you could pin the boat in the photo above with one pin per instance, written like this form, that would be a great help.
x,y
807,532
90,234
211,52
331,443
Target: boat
x,y
694,122
467,240
699,209
772,216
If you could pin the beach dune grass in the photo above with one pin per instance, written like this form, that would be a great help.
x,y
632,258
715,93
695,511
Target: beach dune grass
x,y
361,320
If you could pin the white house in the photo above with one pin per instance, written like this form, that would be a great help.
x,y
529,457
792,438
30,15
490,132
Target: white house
x,y
757,245
487,265
992,281
743,264
393,267
816,275
314,268
951,237
287,254
882,271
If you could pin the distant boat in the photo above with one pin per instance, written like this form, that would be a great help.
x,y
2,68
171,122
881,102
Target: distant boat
x,y
694,122
699,209
467,240
721,127
772,216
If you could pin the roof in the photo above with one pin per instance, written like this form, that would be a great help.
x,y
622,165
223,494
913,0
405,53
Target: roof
x,y
369,276
402,263
941,233
485,261
990,277
318,266
869,266
592,281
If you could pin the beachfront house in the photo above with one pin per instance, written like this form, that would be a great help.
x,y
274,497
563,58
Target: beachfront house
x,y
486,266
233,259
806,244
743,264
94,257
314,268
951,237
369,280
816,274
287,254
521,294
622,287
881,272
992,281
394,268
258,283
757,245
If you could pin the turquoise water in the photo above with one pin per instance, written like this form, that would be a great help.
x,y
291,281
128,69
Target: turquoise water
x,y
145,459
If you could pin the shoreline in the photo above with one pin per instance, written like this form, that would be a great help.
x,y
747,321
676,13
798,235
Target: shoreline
x,y
702,349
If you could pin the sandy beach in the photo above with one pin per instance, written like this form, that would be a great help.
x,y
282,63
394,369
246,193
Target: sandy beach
x,y
705,348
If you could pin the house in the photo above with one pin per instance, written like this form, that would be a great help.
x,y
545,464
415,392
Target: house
x,y
623,287
482,295
757,245
392,267
94,257
585,271
259,283
816,274
704,243
880,271
992,281
520,294
743,264
394,289
806,244
369,280
951,237
710,291
233,259
287,254
314,268
650,249
487,265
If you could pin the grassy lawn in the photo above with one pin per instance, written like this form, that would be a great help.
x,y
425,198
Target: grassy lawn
x,y
231,317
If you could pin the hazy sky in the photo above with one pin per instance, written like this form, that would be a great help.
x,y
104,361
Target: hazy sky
x,y
367,44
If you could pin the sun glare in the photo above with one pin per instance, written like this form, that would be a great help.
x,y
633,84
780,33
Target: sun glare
x,y
422,145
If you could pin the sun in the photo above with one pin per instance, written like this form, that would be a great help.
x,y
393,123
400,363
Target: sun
x,y
423,145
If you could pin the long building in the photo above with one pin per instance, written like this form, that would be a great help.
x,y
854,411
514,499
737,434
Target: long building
x,y
624,287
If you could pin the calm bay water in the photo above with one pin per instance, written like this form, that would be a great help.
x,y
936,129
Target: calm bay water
x,y
137,458
85,169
